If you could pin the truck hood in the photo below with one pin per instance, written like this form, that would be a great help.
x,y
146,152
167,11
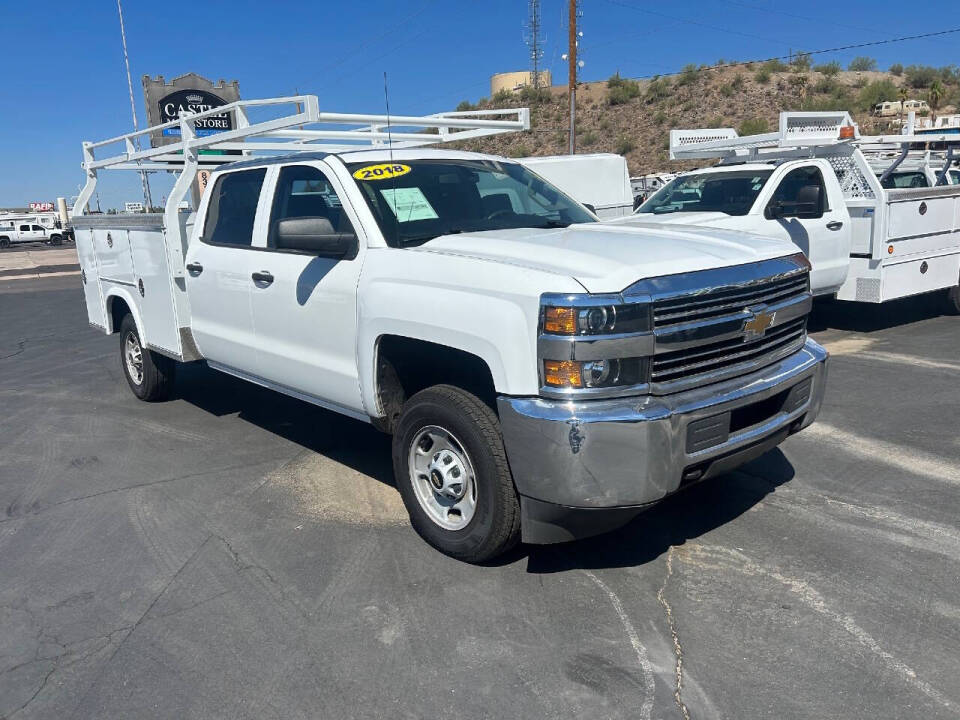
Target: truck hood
x,y
677,218
609,258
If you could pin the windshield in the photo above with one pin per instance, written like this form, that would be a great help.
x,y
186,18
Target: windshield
x,y
415,201
955,177
732,193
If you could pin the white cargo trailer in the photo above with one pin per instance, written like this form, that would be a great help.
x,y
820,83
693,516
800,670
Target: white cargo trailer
x,y
599,180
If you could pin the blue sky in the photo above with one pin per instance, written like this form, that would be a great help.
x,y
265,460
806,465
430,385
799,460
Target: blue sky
x,y
64,82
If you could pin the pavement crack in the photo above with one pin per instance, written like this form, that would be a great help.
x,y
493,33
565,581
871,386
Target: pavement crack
x,y
647,708
675,636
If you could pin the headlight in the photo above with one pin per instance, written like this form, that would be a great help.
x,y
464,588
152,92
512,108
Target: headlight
x,y
594,345
613,373
595,319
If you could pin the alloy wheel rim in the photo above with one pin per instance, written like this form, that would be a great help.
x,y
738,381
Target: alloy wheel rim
x,y
133,354
443,478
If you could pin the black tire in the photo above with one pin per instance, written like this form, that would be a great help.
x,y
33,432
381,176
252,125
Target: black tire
x,y
952,300
495,525
56,240
157,372
4,243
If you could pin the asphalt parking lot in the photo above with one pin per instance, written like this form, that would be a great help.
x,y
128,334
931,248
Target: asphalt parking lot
x,y
238,554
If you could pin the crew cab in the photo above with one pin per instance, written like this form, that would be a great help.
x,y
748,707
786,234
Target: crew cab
x,y
545,376
27,230
867,238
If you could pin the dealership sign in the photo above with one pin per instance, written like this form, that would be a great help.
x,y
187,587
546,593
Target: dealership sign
x,y
194,101
41,206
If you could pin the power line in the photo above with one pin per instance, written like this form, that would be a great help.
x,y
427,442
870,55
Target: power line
x,y
812,52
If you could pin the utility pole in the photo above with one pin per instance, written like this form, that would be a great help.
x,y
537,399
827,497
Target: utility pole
x,y
133,109
572,60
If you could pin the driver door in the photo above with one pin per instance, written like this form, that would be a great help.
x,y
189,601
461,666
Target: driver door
x,y
816,221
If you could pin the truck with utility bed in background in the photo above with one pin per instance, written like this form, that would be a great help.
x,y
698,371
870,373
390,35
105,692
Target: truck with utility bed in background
x,y
545,376
811,183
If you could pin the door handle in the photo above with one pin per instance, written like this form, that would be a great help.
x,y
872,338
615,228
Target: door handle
x,y
194,268
262,278
835,225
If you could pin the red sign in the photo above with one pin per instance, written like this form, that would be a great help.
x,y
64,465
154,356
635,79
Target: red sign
x,y
41,207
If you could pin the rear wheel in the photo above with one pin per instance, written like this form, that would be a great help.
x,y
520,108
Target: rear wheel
x,y
149,374
452,473
56,240
4,242
953,300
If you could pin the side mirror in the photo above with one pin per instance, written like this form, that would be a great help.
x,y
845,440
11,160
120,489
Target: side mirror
x,y
590,207
316,236
775,210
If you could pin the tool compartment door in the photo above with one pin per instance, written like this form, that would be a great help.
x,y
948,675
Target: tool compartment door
x,y
90,276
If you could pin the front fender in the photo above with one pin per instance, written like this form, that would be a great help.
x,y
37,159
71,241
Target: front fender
x,y
486,309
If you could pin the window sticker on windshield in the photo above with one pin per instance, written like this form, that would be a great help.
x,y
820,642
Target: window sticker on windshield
x,y
409,204
381,172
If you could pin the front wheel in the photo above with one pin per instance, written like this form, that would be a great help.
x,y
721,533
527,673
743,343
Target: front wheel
x,y
149,374
452,473
4,243
56,240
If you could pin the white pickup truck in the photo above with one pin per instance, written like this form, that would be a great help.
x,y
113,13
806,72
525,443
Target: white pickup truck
x,y
28,229
545,376
810,183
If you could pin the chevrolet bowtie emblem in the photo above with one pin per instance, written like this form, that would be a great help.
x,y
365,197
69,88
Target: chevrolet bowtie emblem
x,y
756,325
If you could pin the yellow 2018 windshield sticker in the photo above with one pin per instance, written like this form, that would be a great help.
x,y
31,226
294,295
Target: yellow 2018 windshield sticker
x,y
381,172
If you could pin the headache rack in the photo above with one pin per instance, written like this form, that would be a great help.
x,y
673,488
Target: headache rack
x,y
292,124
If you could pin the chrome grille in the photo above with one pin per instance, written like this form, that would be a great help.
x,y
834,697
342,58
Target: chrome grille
x,y
673,371
717,303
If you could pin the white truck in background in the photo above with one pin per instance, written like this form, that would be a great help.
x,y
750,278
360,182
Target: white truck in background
x,y
810,183
30,228
545,376
600,181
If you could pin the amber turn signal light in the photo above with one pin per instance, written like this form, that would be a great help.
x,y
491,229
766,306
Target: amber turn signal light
x,y
846,132
562,373
560,320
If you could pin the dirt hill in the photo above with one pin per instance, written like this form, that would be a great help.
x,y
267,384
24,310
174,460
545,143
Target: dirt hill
x,y
633,118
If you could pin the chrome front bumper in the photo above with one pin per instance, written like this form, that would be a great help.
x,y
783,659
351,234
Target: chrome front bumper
x,y
626,453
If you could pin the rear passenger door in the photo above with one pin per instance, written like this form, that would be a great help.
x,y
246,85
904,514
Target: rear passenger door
x,y
219,271
305,305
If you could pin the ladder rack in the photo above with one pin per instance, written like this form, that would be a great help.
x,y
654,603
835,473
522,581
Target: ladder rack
x,y
289,132
799,134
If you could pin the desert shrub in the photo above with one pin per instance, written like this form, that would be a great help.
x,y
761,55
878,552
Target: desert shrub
x,y
862,63
502,96
518,150
535,96
622,90
775,65
658,89
465,105
624,145
896,69
737,83
800,62
876,92
588,138
829,69
727,90
920,76
659,117
826,86
753,126
688,75
717,121
762,76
